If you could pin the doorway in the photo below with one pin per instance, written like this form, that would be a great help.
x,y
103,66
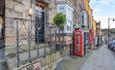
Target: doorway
x,y
41,16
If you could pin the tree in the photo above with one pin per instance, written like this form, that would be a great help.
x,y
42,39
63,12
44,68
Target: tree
x,y
59,20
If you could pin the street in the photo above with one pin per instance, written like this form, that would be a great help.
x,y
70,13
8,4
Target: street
x,y
102,59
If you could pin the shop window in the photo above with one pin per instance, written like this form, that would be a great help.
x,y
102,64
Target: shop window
x,y
67,28
82,20
61,9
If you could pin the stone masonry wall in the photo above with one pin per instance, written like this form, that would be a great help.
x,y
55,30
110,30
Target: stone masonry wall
x,y
19,9
15,9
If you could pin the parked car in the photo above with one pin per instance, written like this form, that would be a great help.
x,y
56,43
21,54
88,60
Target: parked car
x,y
109,45
112,45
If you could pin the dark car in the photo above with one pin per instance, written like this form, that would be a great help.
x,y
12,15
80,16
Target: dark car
x,y
112,46
109,45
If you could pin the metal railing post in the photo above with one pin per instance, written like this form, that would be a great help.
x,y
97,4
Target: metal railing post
x,y
17,43
108,30
29,45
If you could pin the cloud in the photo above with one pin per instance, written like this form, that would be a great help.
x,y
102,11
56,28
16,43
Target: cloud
x,y
106,2
96,10
113,5
93,1
102,10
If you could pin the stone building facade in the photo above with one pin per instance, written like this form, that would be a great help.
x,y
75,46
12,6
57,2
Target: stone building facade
x,y
72,9
28,25
25,21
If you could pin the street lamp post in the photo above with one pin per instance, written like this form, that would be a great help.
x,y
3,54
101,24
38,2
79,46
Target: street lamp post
x,y
109,28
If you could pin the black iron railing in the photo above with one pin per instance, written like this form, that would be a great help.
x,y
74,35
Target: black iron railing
x,y
20,41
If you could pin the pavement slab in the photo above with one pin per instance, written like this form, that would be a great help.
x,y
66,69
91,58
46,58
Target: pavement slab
x,y
72,62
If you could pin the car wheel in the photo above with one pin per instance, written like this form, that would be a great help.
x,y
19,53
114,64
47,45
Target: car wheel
x,y
111,48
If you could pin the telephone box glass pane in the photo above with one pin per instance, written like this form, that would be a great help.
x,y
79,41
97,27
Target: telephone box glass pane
x,y
78,42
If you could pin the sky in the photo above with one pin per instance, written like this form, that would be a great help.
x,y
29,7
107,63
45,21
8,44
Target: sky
x,y
102,10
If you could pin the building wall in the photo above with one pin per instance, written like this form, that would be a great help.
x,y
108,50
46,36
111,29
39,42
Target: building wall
x,y
19,9
89,12
15,9
66,7
68,11
98,28
94,26
77,5
52,10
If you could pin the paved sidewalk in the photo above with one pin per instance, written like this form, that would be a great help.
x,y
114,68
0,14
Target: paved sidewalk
x,y
101,59
72,62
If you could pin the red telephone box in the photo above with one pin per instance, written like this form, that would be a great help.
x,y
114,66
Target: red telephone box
x,y
91,37
78,43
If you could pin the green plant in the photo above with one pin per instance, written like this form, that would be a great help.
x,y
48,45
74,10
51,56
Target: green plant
x,y
60,20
